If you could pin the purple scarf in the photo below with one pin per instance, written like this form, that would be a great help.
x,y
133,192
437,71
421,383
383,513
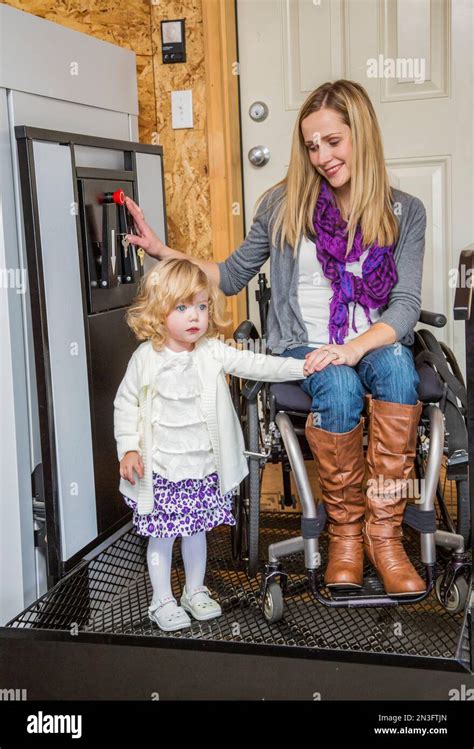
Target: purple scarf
x,y
379,272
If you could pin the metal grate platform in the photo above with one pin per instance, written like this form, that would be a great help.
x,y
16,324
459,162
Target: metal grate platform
x,y
111,593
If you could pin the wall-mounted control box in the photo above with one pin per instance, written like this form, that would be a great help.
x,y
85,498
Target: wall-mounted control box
x,y
173,41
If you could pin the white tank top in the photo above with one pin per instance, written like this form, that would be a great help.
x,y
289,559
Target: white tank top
x,y
314,296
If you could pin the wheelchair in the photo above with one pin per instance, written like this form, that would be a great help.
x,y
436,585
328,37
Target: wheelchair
x,y
273,418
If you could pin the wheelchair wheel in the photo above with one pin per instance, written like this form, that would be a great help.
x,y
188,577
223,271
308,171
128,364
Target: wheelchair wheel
x,y
236,531
234,385
245,534
452,496
463,523
457,595
252,484
273,603
452,362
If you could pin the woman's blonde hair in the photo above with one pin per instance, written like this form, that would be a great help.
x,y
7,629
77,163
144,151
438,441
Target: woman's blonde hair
x,y
371,200
163,287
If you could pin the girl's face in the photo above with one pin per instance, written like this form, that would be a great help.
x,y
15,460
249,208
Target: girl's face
x,y
188,322
329,145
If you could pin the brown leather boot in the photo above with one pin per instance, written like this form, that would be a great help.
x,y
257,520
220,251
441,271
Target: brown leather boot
x,y
390,457
340,462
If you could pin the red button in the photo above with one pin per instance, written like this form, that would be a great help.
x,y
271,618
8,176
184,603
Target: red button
x,y
119,197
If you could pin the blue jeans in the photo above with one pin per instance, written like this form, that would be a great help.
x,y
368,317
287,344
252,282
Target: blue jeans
x,y
337,392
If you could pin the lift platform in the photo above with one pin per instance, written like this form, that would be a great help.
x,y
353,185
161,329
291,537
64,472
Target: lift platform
x,y
89,637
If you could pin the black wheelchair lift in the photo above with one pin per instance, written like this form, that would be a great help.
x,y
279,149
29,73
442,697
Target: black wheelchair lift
x,y
89,636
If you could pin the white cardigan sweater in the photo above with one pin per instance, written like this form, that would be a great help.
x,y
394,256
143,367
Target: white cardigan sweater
x,y
214,359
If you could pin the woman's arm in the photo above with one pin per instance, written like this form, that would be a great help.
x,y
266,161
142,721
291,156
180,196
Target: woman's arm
x,y
245,262
404,303
350,353
231,275
153,245
379,334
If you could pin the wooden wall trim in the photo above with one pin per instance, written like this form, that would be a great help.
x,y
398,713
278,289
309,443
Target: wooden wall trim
x,y
223,136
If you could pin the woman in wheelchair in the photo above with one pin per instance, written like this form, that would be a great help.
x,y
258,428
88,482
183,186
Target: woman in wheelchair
x,y
346,255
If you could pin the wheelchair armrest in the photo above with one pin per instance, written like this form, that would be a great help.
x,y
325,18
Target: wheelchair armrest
x,y
245,331
436,319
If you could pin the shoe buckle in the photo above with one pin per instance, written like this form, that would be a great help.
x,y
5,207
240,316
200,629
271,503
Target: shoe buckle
x,y
201,589
162,602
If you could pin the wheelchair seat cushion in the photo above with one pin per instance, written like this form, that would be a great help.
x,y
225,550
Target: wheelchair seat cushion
x,y
290,397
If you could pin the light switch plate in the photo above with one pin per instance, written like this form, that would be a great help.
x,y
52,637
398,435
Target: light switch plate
x,y
181,109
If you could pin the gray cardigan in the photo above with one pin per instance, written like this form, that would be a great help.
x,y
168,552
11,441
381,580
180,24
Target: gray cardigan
x,y
286,328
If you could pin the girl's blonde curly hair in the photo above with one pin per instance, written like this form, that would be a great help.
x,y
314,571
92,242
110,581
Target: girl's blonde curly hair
x,y
161,289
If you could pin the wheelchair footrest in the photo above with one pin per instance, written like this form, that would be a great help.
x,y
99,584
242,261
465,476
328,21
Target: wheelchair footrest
x,y
371,588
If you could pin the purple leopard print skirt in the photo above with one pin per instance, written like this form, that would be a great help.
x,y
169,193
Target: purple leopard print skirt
x,y
184,508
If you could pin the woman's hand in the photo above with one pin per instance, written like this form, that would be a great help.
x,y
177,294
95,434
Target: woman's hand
x,y
332,353
145,236
131,461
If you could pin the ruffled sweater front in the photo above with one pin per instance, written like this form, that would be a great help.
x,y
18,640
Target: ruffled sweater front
x,y
181,444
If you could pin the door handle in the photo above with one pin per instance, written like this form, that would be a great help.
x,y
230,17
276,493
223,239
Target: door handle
x,y
259,155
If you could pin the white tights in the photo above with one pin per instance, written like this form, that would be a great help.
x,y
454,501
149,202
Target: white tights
x,y
159,555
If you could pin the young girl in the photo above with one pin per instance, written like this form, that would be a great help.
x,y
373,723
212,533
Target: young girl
x,y
177,430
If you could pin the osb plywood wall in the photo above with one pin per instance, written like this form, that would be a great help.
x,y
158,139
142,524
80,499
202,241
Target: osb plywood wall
x,y
135,24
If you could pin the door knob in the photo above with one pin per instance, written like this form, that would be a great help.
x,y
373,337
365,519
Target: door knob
x,y
259,155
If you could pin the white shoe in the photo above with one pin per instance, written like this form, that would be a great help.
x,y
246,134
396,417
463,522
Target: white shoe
x,y
200,605
168,615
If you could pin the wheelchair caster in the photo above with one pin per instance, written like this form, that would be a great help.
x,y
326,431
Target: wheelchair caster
x,y
273,603
457,596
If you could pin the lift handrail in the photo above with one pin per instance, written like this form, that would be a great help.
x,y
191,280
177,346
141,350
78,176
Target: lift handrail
x,y
462,311
463,295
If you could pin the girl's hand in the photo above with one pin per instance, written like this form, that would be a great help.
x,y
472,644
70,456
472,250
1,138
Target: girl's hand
x,y
131,461
332,353
145,236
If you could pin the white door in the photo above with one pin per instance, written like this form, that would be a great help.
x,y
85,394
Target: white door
x,y
425,106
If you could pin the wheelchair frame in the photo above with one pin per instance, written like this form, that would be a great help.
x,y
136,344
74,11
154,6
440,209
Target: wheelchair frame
x,y
281,441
